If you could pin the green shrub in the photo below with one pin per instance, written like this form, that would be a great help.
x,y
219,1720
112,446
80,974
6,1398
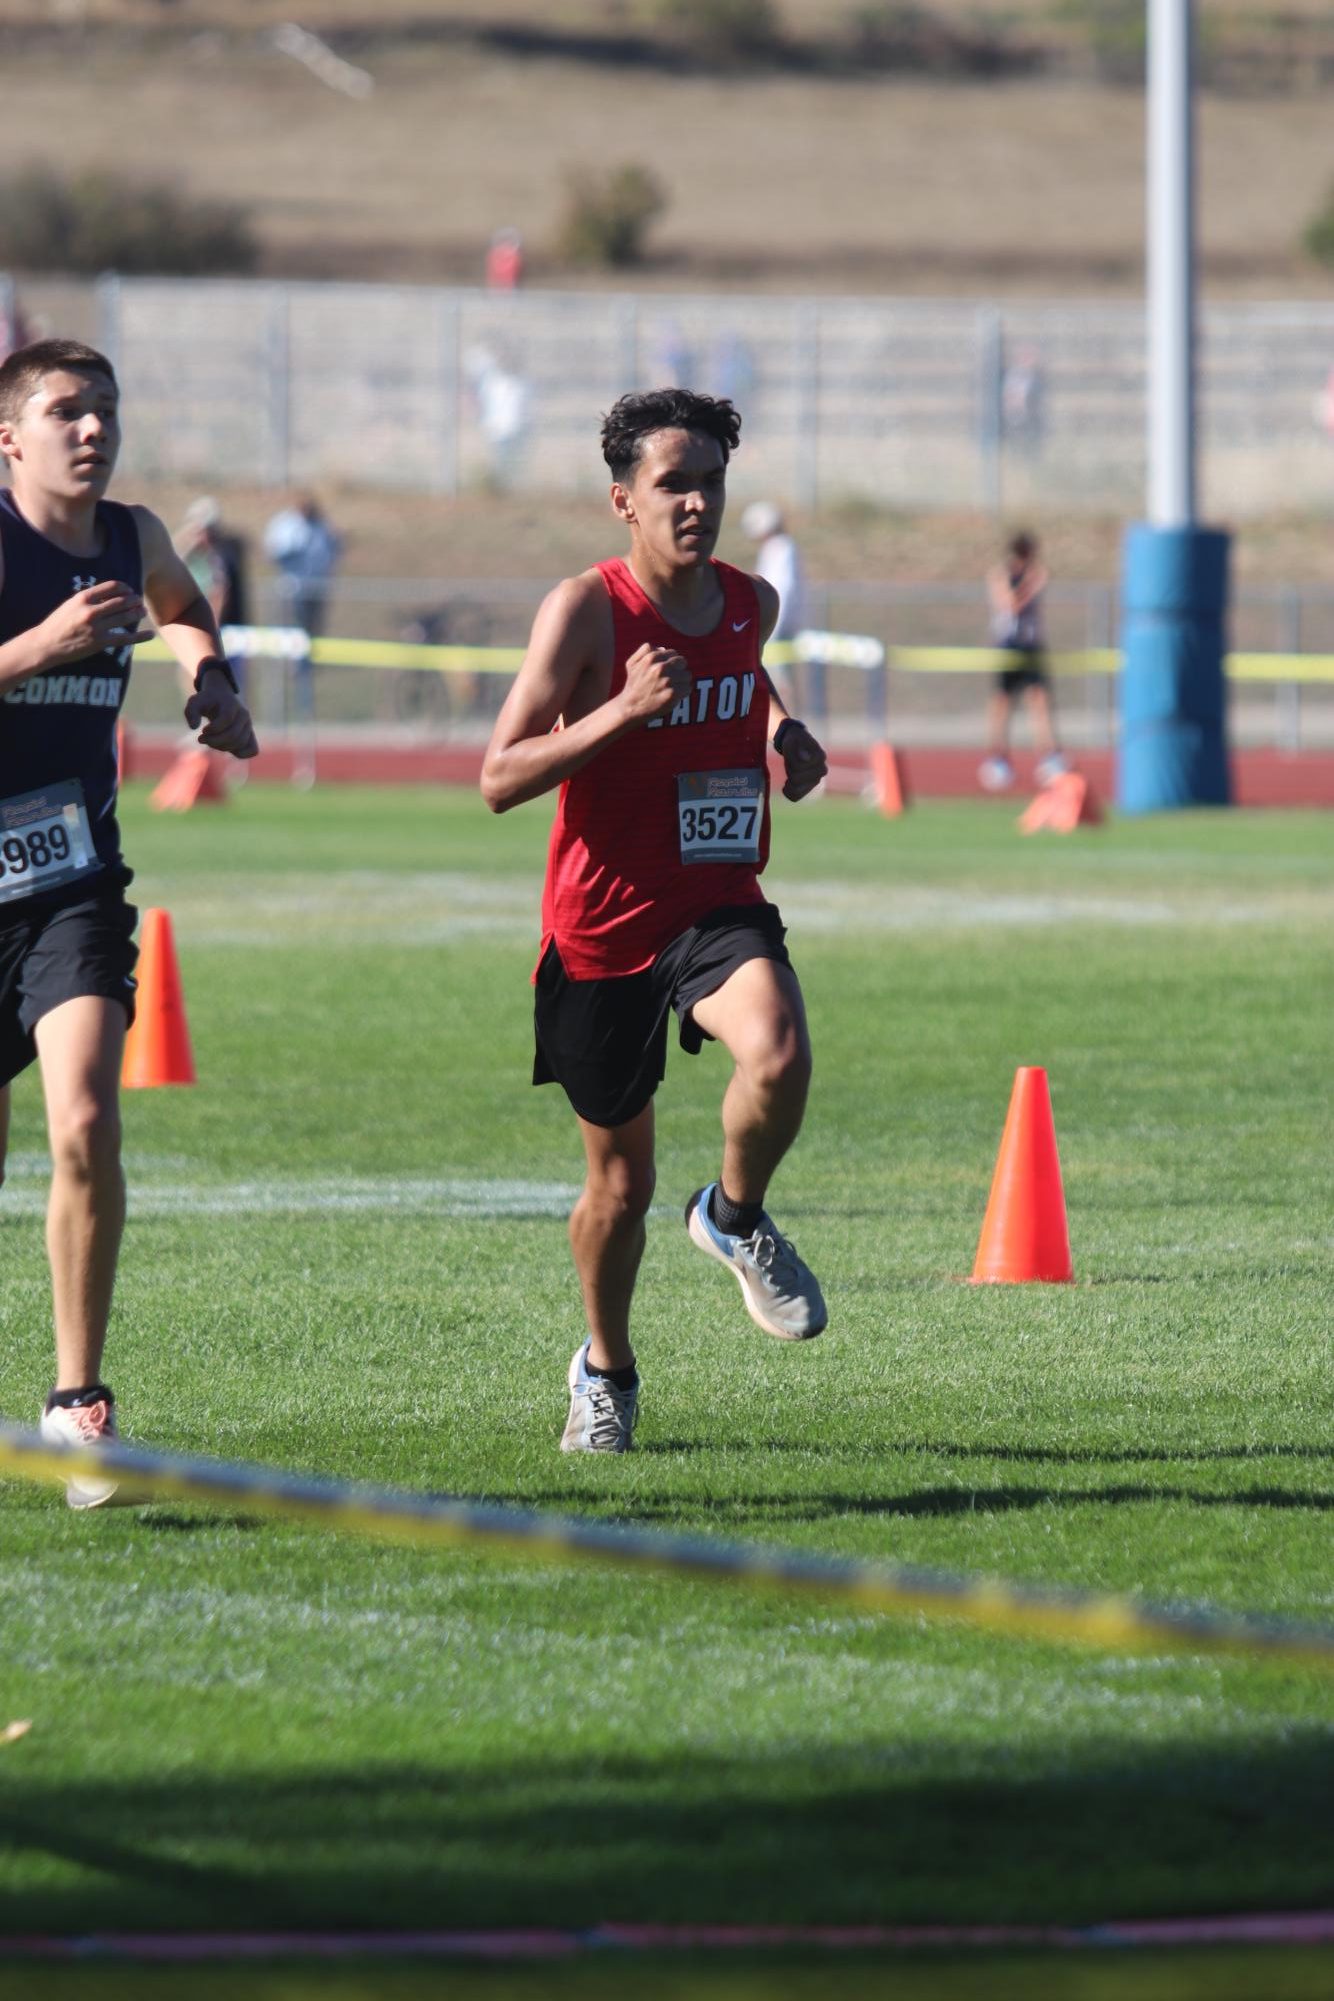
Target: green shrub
x,y
1318,235
895,34
96,220
607,215
722,27
1116,33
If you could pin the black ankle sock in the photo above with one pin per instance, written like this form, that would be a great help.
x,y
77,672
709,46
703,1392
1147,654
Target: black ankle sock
x,y
72,1399
621,1379
734,1219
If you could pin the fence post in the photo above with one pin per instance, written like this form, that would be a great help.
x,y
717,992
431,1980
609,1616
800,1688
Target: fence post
x,y
279,343
990,373
1288,720
1101,687
806,408
449,393
628,320
110,329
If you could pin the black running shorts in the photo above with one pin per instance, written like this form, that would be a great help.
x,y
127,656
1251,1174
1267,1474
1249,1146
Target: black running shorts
x,y
1029,671
605,1041
51,956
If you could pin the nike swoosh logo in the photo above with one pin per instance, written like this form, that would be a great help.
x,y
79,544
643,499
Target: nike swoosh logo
x,y
740,628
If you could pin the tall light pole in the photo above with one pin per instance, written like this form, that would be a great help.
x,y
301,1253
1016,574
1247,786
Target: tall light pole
x,y
1171,265
1173,749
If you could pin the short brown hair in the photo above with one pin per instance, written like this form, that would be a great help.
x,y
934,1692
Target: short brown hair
x,y
21,374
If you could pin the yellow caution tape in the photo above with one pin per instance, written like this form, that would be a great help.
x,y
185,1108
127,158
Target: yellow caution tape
x,y
1111,1622
852,651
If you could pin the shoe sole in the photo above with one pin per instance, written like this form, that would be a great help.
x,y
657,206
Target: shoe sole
x,y
701,1239
84,1499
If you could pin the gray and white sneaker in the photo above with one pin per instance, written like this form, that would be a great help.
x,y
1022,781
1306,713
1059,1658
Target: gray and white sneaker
x,y
781,1292
602,1418
84,1425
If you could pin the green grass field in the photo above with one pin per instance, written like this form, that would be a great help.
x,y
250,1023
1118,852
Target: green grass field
x,y
347,1254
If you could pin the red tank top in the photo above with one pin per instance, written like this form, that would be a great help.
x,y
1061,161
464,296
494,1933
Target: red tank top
x,y
618,887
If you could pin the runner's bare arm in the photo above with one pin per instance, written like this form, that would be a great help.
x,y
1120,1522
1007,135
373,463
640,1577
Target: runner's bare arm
x,y
566,662
83,625
1033,584
803,758
185,620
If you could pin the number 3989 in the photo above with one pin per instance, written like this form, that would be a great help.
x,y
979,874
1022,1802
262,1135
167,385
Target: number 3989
x,y
39,848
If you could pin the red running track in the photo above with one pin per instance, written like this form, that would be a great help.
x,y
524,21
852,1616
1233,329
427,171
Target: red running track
x,y
1260,777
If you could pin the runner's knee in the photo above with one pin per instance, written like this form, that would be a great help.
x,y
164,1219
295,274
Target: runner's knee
x,y
777,1064
85,1137
620,1192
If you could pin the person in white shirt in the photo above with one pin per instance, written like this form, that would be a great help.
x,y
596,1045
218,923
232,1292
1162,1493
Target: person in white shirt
x,y
778,561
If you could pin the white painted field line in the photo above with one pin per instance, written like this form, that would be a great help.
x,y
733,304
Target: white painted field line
x,y
403,1195
421,909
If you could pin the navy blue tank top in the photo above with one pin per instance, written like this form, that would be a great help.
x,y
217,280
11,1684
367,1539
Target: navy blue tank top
x,y
60,725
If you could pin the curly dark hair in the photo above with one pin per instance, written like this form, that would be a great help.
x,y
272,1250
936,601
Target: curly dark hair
x,y
634,417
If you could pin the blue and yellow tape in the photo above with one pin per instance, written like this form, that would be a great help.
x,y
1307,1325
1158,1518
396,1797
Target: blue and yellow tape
x,y
1114,1623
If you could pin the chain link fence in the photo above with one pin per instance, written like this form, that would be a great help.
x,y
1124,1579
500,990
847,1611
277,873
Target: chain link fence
x,y
901,403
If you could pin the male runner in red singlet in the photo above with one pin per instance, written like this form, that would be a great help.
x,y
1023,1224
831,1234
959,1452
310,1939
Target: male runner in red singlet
x,y
76,573
651,668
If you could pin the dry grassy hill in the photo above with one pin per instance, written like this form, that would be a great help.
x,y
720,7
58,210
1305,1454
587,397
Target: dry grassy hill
x,y
780,174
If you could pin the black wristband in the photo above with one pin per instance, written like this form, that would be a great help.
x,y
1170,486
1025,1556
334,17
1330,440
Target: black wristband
x,y
223,667
788,723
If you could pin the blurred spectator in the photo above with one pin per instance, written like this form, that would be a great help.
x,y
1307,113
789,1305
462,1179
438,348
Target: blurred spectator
x,y
732,369
778,561
305,550
1023,400
1324,407
16,329
673,361
504,403
217,559
504,261
1015,587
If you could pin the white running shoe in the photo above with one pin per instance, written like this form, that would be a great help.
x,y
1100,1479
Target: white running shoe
x,y
84,1425
995,774
781,1292
602,1418
1052,768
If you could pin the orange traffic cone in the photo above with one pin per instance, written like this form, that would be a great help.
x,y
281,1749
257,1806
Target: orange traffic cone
x,y
1024,1235
157,1048
1068,802
195,777
890,780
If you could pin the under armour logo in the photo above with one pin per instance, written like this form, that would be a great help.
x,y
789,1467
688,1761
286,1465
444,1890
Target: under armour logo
x,y
84,583
740,628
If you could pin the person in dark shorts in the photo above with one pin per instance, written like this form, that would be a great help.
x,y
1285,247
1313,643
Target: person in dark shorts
x,y
77,574
1015,588
643,698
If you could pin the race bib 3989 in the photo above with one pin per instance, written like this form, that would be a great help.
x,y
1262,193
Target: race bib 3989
x,y
45,841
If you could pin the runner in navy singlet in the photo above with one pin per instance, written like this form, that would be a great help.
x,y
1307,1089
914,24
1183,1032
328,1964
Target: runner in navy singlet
x,y
77,574
651,665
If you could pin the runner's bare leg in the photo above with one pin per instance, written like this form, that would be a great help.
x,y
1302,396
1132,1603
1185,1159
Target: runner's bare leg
x,y
1039,706
607,1231
759,1017
79,1048
999,709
